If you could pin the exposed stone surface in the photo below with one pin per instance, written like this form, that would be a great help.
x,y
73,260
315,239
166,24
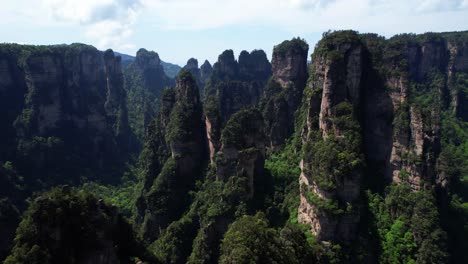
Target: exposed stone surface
x,y
56,98
192,66
384,81
233,86
283,93
173,157
205,72
335,81
144,81
242,151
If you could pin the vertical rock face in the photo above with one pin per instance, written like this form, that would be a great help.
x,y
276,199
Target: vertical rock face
x,y
283,93
416,129
205,71
226,68
173,157
378,101
232,87
254,65
59,102
242,151
192,67
457,67
289,63
330,184
144,81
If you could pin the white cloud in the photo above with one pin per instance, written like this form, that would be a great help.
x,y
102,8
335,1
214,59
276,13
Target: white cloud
x,y
302,16
441,5
107,23
310,4
114,23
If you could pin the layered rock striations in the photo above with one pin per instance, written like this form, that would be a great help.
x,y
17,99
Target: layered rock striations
x,y
58,102
376,102
283,93
332,166
233,86
145,80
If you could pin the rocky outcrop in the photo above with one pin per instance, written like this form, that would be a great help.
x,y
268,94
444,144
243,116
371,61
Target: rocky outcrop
x,y
144,81
242,152
59,102
283,93
192,67
205,72
233,86
378,101
254,66
173,158
330,185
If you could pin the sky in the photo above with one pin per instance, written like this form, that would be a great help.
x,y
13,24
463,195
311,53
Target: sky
x,y
180,29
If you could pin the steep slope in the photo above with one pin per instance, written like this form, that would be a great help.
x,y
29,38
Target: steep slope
x,y
380,103
144,81
233,86
205,72
192,67
283,93
332,165
56,103
173,157
229,189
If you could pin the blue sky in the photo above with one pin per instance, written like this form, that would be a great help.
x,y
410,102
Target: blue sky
x,y
180,29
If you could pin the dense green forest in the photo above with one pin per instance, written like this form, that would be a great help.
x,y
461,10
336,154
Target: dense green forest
x,y
359,157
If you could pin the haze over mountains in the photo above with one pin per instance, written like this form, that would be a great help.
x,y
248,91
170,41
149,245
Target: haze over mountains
x,y
360,156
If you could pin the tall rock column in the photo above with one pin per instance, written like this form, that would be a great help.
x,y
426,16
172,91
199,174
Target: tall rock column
x,y
283,93
332,164
145,80
174,157
233,86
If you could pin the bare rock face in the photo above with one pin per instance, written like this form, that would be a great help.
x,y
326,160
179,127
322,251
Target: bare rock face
x,y
226,68
416,132
192,66
283,93
233,86
59,102
242,152
173,157
457,64
145,80
380,101
254,66
205,71
289,63
329,199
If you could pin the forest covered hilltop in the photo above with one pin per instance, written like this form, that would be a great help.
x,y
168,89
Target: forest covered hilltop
x,y
360,156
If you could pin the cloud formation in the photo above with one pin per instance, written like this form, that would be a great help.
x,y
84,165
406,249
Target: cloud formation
x,y
125,24
107,22
302,15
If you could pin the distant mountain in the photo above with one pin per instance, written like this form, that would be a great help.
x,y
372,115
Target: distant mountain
x,y
170,69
